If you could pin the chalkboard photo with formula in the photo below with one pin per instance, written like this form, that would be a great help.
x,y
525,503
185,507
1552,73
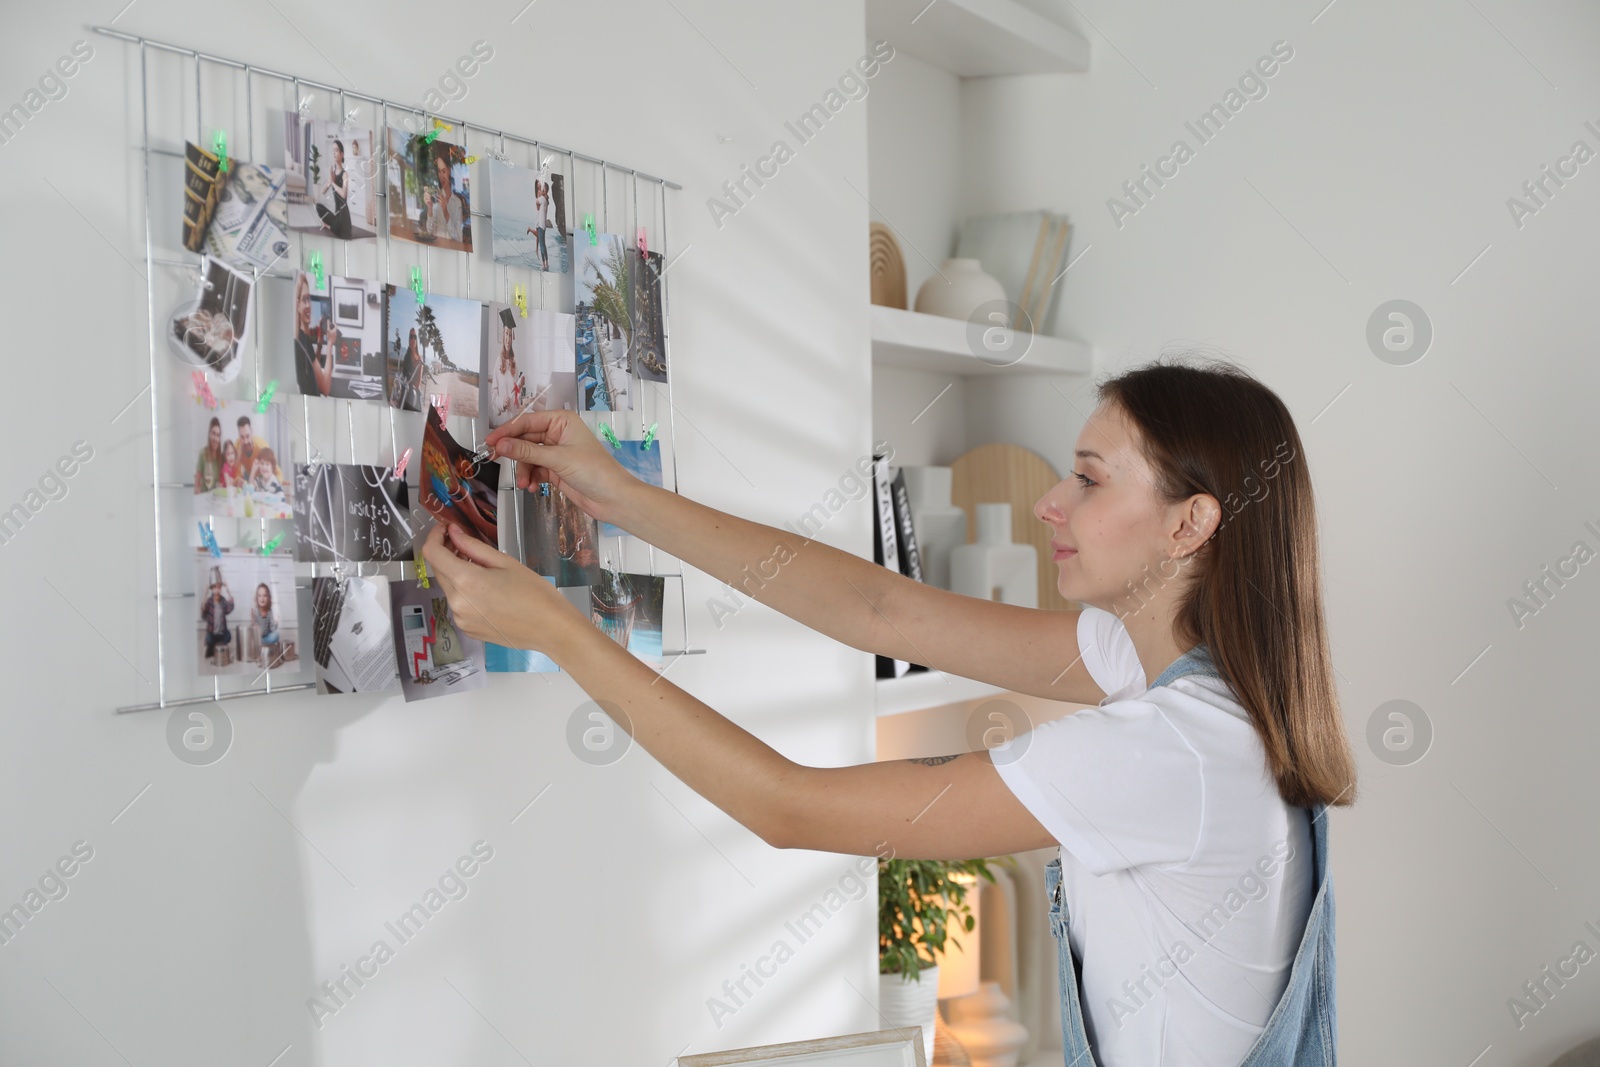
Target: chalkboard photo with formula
x,y
351,513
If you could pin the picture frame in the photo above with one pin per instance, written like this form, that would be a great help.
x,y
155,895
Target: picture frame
x,y
874,1048
349,306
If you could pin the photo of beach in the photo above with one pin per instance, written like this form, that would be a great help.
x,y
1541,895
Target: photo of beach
x,y
628,608
601,288
528,223
641,462
435,349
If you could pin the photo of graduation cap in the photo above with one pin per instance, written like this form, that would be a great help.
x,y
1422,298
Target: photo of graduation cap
x,y
508,319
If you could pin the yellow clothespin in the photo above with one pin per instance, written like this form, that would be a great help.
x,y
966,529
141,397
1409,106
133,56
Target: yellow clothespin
x,y
520,295
422,572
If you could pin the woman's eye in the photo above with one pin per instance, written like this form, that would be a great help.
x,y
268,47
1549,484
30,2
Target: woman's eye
x,y
1082,479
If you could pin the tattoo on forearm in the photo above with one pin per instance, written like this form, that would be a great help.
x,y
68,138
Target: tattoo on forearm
x,y
934,761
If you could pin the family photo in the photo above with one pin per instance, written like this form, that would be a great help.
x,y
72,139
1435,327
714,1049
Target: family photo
x,y
237,470
249,618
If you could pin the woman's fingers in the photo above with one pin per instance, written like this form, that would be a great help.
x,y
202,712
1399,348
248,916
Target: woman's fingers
x,y
477,551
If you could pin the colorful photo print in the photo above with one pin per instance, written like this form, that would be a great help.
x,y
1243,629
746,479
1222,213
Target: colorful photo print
x,y
435,658
643,463
601,288
454,488
529,224
648,343
338,337
559,539
251,223
249,615
628,609
210,330
350,513
237,472
352,635
528,362
429,191
503,660
435,349
330,185
203,179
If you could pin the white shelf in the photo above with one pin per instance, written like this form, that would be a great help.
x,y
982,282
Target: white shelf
x,y
916,341
929,689
974,38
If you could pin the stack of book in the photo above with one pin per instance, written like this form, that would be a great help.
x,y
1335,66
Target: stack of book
x,y
1025,251
895,544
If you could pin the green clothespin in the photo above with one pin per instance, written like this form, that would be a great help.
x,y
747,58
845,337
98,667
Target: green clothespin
x,y
219,145
272,545
428,137
609,434
266,397
316,269
416,285
588,224
649,436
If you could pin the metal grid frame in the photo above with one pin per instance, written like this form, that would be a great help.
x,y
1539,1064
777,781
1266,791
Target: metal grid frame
x,y
250,71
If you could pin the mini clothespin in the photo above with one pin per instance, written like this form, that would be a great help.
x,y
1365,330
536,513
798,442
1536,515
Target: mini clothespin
x,y
644,245
266,397
272,545
315,267
544,167
305,101
482,456
649,436
588,225
471,160
209,540
202,389
422,571
416,285
437,126
609,434
442,402
400,464
219,145
519,293
350,116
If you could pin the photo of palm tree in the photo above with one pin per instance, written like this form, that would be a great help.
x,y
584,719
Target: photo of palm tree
x,y
604,326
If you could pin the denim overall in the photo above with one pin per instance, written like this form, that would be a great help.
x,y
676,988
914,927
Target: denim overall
x,y
1302,1029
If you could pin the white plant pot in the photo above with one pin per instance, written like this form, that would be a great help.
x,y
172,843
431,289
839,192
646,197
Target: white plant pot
x,y
911,1002
958,290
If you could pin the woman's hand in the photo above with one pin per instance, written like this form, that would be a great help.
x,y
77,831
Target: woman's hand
x,y
557,447
495,598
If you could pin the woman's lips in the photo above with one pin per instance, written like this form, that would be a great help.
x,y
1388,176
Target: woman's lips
x,y
1063,553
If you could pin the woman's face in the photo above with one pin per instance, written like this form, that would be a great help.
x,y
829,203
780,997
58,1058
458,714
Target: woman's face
x,y
505,340
442,169
1115,530
214,435
302,305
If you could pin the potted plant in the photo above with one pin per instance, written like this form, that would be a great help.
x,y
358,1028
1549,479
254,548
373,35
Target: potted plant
x,y
920,904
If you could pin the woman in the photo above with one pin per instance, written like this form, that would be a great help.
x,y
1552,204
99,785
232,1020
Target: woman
x,y
208,467
214,612
406,390
313,345
337,220
541,214
1189,805
506,382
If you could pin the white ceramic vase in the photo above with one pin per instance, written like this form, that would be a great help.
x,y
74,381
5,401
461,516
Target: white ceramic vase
x,y
939,525
961,290
994,567
909,1002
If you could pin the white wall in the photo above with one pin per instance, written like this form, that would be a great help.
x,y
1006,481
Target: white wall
x,y
219,897
1378,167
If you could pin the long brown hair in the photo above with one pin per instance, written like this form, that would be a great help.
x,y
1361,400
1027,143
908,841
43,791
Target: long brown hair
x,y
1255,592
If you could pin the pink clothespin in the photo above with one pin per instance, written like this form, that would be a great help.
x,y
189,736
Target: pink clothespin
x,y
400,464
441,402
644,246
202,389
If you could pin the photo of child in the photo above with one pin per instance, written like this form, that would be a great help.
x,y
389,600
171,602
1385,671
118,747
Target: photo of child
x,y
249,617
236,472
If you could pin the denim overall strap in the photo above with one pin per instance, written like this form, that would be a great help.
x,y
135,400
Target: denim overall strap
x,y
1302,1028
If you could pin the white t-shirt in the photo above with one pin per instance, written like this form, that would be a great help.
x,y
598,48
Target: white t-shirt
x,y
1187,877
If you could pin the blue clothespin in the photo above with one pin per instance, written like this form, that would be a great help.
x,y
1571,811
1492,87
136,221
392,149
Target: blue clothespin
x,y
649,436
209,540
315,264
219,145
588,225
266,397
609,434
416,285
